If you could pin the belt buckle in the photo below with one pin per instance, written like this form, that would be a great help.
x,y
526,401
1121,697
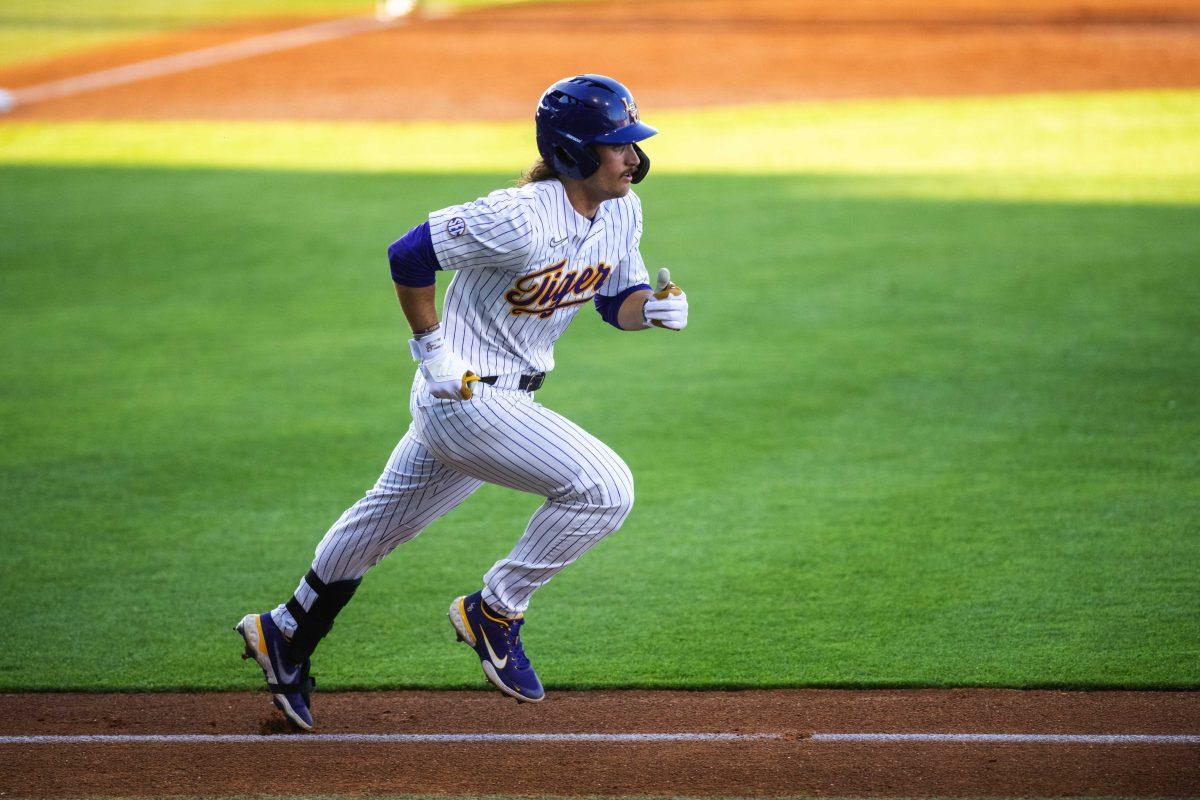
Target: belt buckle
x,y
534,381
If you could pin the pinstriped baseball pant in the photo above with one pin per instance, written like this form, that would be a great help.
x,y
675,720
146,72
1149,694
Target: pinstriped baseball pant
x,y
450,450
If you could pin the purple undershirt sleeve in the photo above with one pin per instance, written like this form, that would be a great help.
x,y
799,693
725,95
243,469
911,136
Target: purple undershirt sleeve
x,y
412,258
610,306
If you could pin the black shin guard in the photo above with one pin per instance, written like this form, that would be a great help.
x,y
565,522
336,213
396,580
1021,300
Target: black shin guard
x,y
312,625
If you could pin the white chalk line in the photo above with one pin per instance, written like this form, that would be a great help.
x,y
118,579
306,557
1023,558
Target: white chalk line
x,y
1014,738
491,738
195,59
387,738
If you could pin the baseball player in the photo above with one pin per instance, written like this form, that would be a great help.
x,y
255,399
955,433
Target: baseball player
x,y
525,260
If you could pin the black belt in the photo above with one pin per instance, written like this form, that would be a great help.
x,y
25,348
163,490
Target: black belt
x,y
529,383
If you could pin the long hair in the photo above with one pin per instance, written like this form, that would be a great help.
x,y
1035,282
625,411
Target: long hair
x,y
538,171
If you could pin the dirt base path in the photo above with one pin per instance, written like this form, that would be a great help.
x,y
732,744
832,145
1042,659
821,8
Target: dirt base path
x,y
492,63
796,760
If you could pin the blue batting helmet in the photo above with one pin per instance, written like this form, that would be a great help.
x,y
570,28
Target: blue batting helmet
x,y
586,110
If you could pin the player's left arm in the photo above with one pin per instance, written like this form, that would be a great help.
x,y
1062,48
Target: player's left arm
x,y
667,307
640,308
625,300
629,316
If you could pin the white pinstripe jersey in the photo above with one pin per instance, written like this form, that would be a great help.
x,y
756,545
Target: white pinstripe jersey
x,y
526,261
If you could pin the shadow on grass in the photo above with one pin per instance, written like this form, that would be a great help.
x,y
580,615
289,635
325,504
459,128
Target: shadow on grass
x,y
932,442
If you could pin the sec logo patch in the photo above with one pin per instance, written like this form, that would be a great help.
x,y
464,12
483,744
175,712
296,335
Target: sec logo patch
x,y
456,227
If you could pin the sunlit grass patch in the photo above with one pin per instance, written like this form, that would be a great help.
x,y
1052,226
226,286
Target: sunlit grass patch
x,y
1129,146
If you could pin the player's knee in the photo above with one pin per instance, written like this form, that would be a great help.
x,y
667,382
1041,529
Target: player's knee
x,y
605,490
616,492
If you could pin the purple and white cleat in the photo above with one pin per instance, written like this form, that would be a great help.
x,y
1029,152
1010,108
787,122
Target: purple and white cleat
x,y
288,682
497,641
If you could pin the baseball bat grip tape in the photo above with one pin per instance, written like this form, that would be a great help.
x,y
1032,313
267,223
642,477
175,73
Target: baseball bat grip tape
x,y
468,378
665,289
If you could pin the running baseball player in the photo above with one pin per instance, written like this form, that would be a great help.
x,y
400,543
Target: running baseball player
x,y
525,260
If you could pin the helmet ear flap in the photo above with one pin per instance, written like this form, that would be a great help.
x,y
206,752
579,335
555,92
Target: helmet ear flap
x,y
566,164
644,167
579,164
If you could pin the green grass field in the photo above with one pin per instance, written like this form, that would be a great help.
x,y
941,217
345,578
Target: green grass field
x,y
934,421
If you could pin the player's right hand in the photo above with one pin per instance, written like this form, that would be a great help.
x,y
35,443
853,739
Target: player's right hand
x,y
447,376
668,306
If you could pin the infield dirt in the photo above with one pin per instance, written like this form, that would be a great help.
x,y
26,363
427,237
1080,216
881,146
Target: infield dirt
x,y
790,765
490,64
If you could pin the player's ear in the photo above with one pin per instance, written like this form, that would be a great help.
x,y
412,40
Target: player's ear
x,y
643,167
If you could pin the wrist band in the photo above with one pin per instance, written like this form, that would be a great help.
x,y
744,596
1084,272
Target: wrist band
x,y
426,331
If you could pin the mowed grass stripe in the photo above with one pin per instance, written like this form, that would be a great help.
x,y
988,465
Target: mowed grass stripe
x,y
1127,146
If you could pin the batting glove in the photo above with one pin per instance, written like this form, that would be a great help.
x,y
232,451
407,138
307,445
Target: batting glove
x,y
447,376
668,306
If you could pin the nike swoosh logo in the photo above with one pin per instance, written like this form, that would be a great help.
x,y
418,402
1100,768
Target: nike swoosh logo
x,y
557,242
498,662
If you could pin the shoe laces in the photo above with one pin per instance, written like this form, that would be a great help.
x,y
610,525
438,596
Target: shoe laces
x,y
512,640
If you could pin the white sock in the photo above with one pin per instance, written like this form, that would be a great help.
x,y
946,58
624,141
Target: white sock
x,y
284,620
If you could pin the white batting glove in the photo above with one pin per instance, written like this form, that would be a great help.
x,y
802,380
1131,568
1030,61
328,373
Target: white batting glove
x,y
668,306
447,376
